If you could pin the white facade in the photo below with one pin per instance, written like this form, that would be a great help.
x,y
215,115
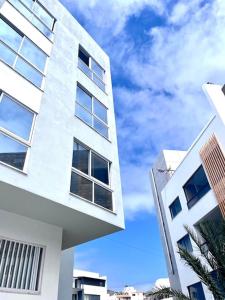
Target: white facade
x,y
168,186
89,285
39,204
128,293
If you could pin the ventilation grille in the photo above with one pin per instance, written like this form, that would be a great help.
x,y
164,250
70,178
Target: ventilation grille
x,y
20,266
214,163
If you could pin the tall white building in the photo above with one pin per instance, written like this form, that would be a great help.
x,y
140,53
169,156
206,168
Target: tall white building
x,y
59,169
188,188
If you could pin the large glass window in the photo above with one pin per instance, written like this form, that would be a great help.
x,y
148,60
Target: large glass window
x,y
91,68
196,291
196,187
16,122
90,176
185,243
175,208
36,14
21,54
91,111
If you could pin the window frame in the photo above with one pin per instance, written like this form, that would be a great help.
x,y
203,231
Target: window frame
x,y
17,138
19,55
194,284
93,179
24,291
185,236
35,16
190,202
92,113
91,72
170,208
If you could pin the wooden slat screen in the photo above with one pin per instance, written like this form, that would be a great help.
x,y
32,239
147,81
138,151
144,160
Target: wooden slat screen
x,y
214,163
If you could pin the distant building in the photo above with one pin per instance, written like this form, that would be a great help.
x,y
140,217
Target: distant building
x,y
161,282
128,293
89,286
188,188
59,168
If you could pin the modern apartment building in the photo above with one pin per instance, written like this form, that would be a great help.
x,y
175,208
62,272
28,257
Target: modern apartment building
x,y
59,168
89,286
188,188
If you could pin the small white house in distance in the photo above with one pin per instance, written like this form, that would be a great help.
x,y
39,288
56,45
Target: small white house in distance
x,y
128,293
89,286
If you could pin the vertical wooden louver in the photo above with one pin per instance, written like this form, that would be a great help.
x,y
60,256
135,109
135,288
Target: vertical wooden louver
x,y
214,163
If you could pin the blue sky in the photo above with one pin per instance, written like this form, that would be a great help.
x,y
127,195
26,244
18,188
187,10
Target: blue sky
x,y
161,52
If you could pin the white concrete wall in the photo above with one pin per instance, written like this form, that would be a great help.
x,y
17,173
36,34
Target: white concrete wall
x,y
26,230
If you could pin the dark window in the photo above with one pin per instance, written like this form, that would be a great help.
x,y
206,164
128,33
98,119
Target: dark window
x,y
219,281
84,57
103,197
92,281
196,291
196,187
80,158
185,243
81,186
175,207
99,168
91,297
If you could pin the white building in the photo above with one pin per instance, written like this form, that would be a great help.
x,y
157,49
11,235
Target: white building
x,y
89,286
128,293
59,168
161,282
187,189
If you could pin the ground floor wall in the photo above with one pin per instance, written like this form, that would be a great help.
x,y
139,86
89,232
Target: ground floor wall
x,y
25,230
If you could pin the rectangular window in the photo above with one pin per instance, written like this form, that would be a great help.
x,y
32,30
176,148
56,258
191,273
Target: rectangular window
x,y
196,187
90,176
16,124
91,297
92,111
20,266
185,243
91,68
196,291
21,54
175,208
37,15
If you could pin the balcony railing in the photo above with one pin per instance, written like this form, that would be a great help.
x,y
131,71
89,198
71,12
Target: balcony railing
x,y
95,78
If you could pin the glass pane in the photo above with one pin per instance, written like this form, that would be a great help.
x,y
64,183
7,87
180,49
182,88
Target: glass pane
x,y
33,54
100,110
99,82
100,127
24,11
83,98
84,68
80,158
7,55
175,207
103,197
43,15
28,3
185,243
29,72
43,28
97,69
15,118
84,57
196,291
10,36
81,186
83,115
99,168
12,152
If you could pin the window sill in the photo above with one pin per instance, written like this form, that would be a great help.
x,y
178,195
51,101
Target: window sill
x,y
97,205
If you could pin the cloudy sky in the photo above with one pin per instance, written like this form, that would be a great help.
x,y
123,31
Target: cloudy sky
x,y
161,52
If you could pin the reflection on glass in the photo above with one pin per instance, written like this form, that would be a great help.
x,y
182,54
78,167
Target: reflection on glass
x,y
83,98
9,35
99,82
33,54
44,29
100,110
97,69
15,118
99,168
100,127
43,15
28,3
81,186
103,197
12,152
84,68
28,72
80,158
83,114
7,55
